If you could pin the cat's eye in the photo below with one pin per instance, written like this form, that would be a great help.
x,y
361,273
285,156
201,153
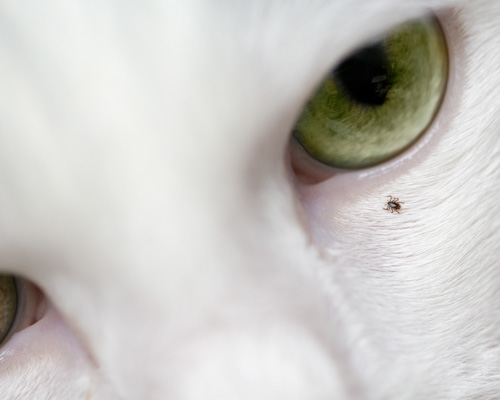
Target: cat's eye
x,y
379,100
8,304
21,305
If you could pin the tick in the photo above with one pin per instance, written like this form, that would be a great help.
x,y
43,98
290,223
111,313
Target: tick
x,y
393,204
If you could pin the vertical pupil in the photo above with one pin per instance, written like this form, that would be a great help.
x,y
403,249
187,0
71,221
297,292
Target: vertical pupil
x,y
365,76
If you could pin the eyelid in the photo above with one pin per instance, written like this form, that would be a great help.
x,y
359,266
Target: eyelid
x,y
306,168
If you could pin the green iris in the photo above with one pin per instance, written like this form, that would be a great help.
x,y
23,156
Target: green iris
x,y
8,304
378,101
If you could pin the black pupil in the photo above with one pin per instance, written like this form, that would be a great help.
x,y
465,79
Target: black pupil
x,y
365,76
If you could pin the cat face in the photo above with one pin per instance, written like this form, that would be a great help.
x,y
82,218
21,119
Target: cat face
x,y
171,239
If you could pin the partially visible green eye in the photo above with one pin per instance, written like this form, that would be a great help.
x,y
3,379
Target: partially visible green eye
x,y
378,101
8,304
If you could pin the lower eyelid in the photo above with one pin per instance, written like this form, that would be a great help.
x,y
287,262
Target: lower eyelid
x,y
41,351
307,170
40,333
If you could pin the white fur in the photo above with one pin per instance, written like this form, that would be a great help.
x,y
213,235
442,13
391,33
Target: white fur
x,y
145,187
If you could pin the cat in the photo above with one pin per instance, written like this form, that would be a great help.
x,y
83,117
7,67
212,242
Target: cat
x,y
167,242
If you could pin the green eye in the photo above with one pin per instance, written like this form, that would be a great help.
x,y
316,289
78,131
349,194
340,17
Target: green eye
x,y
8,304
378,101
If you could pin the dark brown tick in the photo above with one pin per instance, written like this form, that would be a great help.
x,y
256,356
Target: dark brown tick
x,y
393,204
